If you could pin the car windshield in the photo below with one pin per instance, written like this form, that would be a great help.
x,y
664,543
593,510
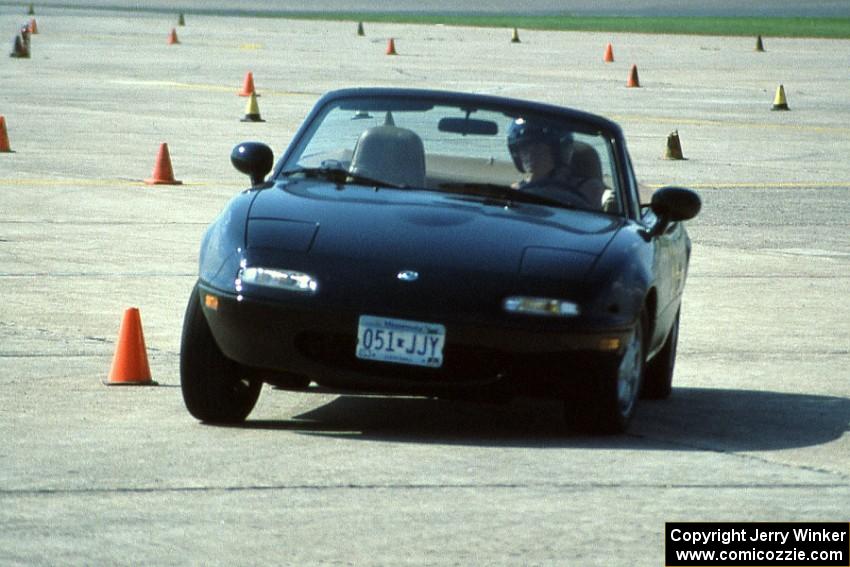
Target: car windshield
x,y
414,143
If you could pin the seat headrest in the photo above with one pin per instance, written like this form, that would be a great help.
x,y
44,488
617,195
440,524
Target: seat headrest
x,y
391,154
585,161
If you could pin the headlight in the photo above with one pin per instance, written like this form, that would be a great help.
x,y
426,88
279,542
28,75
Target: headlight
x,y
279,279
545,306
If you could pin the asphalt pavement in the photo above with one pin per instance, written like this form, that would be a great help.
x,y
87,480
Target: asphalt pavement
x,y
756,430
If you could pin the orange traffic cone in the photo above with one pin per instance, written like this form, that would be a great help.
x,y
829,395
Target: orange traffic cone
x,y
609,54
163,174
633,78
4,137
391,47
172,37
130,363
248,85
33,27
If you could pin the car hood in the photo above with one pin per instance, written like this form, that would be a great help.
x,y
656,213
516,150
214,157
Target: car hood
x,y
344,231
357,221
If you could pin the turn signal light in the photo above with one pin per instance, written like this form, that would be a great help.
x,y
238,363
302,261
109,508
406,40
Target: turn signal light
x,y
211,301
609,344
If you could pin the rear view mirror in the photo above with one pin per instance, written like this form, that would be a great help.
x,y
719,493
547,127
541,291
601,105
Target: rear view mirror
x,y
465,126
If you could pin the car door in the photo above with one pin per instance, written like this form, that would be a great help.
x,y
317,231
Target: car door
x,y
669,259
669,266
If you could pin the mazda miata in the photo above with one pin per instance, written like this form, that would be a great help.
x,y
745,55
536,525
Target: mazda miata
x,y
428,243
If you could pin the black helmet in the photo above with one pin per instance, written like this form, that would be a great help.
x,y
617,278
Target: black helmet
x,y
522,132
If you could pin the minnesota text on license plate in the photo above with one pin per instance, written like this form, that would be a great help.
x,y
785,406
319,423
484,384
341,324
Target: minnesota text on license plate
x,y
400,341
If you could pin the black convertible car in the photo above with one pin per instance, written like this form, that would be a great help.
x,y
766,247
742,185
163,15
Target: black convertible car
x,y
415,242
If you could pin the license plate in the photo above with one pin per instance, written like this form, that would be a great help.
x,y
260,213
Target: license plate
x,y
400,341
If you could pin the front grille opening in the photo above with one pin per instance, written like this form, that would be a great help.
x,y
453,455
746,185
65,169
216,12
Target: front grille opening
x,y
461,363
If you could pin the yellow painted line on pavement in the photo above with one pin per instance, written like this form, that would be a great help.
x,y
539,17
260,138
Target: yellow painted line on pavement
x,y
761,185
210,87
53,182
177,85
729,124
776,185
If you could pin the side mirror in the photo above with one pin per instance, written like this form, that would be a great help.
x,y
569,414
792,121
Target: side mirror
x,y
253,159
673,204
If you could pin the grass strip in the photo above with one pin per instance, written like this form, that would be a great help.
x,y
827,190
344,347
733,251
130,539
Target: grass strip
x,y
835,28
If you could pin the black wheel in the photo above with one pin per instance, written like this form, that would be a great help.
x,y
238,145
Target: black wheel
x,y
215,388
607,404
658,382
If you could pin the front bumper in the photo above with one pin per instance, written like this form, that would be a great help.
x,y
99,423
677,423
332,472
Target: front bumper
x,y
482,356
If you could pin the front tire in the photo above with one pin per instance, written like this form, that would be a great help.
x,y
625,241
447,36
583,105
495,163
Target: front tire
x,y
658,382
215,388
607,404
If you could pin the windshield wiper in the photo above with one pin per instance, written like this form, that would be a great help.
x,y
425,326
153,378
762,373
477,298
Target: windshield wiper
x,y
470,185
506,193
339,176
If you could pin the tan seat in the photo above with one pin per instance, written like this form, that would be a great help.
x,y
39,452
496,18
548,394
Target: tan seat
x,y
585,162
391,154
587,167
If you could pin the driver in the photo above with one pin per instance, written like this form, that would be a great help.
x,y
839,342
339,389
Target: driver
x,y
545,155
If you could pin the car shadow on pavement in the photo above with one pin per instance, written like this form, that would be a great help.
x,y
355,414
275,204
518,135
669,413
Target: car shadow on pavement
x,y
694,419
